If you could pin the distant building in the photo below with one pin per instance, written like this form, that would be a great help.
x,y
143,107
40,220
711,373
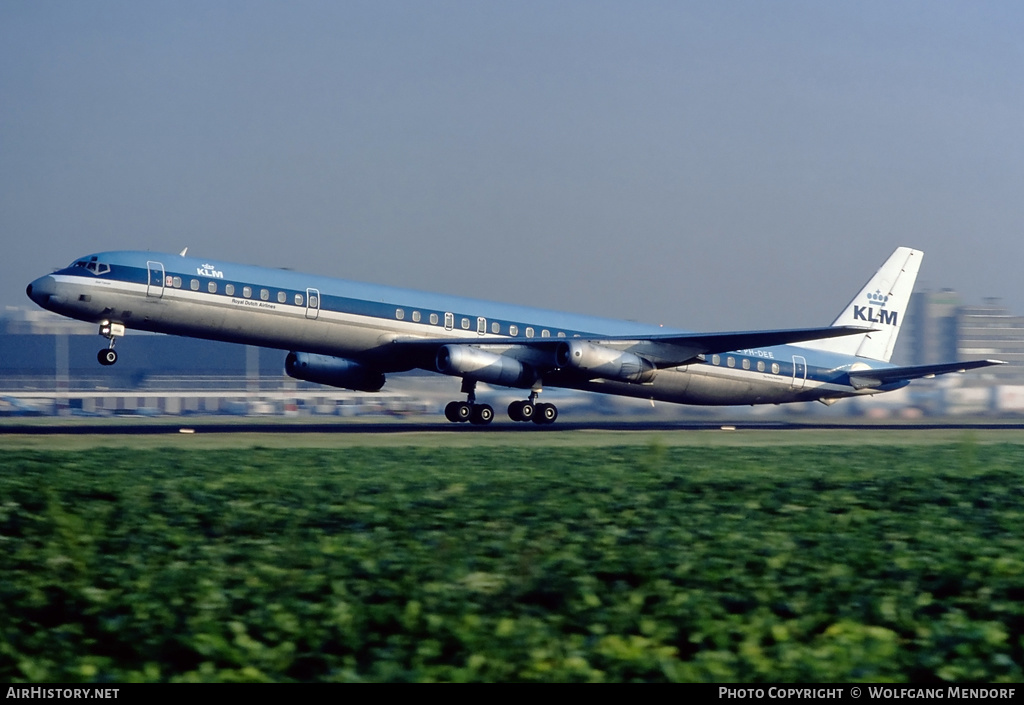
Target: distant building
x,y
990,331
942,329
23,321
40,350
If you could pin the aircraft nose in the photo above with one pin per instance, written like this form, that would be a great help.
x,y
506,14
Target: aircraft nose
x,y
42,289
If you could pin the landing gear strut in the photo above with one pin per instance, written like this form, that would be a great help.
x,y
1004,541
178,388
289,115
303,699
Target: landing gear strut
x,y
483,414
110,331
530,410
469,410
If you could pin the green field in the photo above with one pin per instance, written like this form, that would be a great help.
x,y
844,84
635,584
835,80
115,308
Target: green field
x,y
723,558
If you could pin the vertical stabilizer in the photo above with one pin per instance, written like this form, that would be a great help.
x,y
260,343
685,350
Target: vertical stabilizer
x,y
882,305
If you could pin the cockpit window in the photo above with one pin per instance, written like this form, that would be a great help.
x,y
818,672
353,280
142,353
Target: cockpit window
x,y
93,266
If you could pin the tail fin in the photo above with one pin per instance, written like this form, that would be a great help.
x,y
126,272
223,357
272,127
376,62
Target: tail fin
x,y
880,305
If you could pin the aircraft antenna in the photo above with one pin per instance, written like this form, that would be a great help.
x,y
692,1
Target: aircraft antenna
x,y
182,253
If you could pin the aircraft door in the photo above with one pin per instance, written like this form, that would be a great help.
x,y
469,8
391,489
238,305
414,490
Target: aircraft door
x,y
312,303
155,283
799,371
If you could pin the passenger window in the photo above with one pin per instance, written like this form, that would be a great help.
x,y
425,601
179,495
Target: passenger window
x,y
746,364
561,334
314,302
545,333
298,299
513,330
716,360
465,324
194,285
282,297
529,332
433,319
730,361
449,321
212,287
229,289
415,316
760,365
399,314
177,282
247,291
775,368
495,327
264,294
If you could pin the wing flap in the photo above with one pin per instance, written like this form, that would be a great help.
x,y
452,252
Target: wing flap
x,y
870,379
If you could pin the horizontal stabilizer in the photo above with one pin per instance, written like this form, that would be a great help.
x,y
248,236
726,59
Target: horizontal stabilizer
x,y
870,379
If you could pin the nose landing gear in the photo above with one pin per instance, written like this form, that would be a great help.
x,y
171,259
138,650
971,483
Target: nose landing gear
x,y
110,331
107,357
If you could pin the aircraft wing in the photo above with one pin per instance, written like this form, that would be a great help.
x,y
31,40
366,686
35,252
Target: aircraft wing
x,y
663,351
675,350
869,379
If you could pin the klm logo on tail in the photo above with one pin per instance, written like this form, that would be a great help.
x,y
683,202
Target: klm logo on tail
x,y
872,315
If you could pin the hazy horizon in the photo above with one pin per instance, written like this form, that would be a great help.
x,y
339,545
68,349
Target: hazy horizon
x,y
709,166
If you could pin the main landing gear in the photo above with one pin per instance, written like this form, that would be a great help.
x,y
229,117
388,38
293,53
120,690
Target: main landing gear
x,y
110,331
469,410
483,414
530,410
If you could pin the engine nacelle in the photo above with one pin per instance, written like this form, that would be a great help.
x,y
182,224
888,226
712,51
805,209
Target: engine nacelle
x,y
484,366
332,371
607,363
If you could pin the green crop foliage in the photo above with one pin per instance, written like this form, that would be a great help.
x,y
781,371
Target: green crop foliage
x,y
744,564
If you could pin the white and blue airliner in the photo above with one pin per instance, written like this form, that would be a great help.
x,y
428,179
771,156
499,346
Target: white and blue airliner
x,y
350,335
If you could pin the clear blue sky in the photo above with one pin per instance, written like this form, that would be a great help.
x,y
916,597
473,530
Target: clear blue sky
x,y
709,165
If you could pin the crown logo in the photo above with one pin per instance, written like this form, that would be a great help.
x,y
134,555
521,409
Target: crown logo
x,y
878,298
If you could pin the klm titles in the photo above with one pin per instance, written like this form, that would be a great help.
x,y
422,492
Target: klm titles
x,y
208,270
869,314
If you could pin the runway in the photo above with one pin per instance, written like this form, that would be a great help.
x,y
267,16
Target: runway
x,y
399,427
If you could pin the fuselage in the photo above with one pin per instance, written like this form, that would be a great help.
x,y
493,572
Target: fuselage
x,y
361,322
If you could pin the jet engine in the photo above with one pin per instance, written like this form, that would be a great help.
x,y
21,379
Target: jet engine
x,y
333,371
484,366
607,363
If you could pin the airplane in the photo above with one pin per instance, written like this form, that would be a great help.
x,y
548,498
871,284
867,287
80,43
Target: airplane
x,y
12,406
351,335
